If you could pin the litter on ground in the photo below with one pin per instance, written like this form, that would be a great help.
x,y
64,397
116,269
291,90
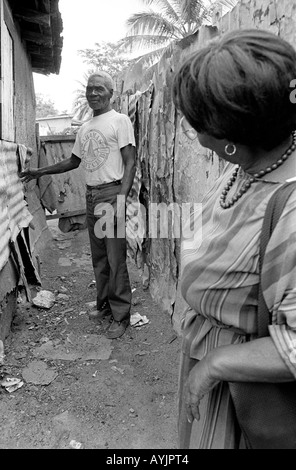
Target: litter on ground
x,y
11,384
138,320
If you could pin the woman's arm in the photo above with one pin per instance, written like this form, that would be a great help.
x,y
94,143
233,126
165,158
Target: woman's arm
x,y
255,361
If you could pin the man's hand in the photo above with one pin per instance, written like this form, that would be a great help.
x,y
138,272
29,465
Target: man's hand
x,y
29,174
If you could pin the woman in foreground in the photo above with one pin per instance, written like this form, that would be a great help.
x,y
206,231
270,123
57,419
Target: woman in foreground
x,y
235,93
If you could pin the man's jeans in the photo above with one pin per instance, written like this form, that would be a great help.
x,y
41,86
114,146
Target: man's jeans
x,y
108,254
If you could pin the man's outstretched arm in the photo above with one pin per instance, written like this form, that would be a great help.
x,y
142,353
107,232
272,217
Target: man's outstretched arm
x,y
61,167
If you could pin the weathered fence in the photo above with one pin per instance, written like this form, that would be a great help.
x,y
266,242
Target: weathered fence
x,y
172,169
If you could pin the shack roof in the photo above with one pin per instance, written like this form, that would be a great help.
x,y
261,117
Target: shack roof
x,y
40,24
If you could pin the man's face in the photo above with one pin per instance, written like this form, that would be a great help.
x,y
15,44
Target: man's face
x,y
97,94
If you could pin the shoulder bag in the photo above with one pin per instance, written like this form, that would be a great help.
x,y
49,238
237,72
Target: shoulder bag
x,y
266,412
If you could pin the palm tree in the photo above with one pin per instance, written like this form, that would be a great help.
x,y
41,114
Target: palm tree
x,y
157,30
82,111
154,30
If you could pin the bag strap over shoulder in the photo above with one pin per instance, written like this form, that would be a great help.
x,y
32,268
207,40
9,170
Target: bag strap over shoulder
x,y
274,209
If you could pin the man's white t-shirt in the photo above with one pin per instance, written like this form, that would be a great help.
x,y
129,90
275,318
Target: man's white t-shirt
x,y
98,143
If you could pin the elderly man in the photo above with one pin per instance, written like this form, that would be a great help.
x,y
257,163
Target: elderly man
x,y
105,146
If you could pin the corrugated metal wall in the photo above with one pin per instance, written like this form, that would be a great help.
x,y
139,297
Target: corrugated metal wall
x,y
14,215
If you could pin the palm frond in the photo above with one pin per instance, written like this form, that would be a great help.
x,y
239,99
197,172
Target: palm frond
x,y
193,25
191,10
143,42
150,58
171,8
171,21
153,23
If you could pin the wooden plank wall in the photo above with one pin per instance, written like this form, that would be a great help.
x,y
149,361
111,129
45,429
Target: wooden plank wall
x,y
7,82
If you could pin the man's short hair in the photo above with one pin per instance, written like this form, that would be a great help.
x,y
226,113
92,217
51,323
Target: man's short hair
x,y
108,80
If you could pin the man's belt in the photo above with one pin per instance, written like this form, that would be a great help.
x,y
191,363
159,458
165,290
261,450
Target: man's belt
x,y
104,185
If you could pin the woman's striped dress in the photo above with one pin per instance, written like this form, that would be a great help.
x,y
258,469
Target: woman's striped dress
x,y
219,281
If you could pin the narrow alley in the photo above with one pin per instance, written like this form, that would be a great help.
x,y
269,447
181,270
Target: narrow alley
x,y
73,387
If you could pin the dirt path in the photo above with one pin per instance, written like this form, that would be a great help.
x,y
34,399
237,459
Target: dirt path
x,y
79,387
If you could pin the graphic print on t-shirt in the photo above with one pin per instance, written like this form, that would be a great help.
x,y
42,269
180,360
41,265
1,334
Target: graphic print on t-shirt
x,y
95,150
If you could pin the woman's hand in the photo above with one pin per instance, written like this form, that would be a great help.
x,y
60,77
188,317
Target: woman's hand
x,y
29,174
198,384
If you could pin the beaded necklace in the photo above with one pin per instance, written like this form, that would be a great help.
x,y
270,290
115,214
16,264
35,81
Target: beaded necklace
x,y
253,178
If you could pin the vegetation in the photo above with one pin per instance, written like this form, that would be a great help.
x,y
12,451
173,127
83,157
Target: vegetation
x,y
44,106
157,29
105,56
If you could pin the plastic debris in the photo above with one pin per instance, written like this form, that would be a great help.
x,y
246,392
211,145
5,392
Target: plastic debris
x,y
138,320
76,445
11,384
44,299
15,387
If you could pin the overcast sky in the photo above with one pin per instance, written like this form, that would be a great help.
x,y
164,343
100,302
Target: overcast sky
x,y
84,24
